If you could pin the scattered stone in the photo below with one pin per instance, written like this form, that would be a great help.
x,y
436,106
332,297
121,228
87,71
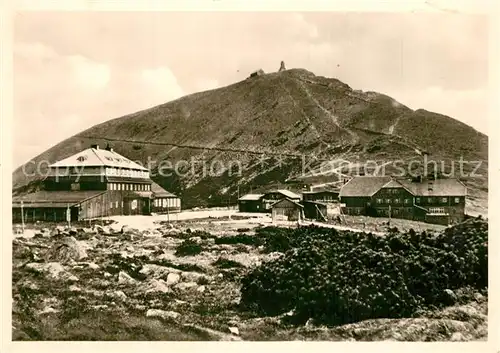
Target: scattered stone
x,y
234,331
200,289
195,240
457,336
220,276
173,278
107,274
48,310
157,286
119,295
93,266
478,297
124,278
449,296
162,313
193,277
74,288
185,285
53,270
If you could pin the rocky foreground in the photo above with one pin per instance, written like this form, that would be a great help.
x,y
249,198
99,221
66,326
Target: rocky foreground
x,y
114,283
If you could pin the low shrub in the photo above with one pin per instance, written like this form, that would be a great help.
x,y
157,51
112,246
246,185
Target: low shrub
x,y
339,277
188,248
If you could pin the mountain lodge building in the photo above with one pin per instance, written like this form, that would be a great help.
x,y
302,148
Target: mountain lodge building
x,y
94,183
431,200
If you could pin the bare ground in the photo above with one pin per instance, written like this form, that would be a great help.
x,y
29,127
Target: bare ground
x,y
96,289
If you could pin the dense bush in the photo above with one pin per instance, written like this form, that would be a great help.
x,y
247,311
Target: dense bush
x,y
339,277
188,248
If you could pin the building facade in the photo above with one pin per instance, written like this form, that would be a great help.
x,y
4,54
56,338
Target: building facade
x,y
430,200
271,197
251,203
90,184
286,210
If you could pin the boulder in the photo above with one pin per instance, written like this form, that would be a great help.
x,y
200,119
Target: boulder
x,y
157,286
101,230
185,285
157,271
53,270
173,278
162,314
200,289
124,278
234,331
67,250
449,296
193,277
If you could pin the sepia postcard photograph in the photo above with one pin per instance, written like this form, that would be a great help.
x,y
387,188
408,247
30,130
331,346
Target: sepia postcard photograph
x,y
249,176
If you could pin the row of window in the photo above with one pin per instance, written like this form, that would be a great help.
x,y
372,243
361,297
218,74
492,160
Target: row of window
x,y
437,199
167,202
129,187
406,201
417,200
127,173
436,210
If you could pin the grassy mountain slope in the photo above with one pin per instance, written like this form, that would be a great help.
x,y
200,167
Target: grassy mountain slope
x,y
290,112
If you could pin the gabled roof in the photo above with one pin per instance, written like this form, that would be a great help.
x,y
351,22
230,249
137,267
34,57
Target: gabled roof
x,y
158,191
438,187
96,157
286,193
286,200
250,197
395,184
363,186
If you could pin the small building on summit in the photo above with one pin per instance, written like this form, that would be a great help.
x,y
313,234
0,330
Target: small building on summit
x,y
90,184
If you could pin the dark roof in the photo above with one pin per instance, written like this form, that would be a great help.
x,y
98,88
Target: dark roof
x,y
158,191
438,187
363,186
321,191
287,193
250,197
62,198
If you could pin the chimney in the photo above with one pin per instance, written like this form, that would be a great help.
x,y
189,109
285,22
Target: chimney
x,y
108,148
95,146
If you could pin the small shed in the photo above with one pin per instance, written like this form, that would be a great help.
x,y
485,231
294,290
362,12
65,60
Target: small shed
x,y
286,210
250,203
315,210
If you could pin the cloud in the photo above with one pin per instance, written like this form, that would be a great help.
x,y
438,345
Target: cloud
x,y
162,84
89,74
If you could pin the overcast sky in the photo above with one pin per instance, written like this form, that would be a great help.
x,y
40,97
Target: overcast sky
x,y
74,70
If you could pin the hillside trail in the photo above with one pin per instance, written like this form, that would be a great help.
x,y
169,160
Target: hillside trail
x,y
332,116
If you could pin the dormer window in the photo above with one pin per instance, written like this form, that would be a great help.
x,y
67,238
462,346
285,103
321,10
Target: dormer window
x,y
82,159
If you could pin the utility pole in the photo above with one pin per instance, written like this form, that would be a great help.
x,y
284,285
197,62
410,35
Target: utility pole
x,y
22,215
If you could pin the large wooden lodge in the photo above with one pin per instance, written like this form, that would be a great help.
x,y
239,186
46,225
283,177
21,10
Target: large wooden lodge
x,y
94,183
